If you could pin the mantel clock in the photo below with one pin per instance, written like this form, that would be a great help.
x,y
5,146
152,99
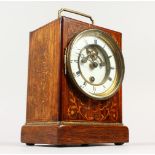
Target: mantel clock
x,y
74,84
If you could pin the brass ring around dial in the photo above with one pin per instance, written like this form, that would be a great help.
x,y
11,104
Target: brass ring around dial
x,y
118,59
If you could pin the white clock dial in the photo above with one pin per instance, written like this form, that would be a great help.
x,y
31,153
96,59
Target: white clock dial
x,y
92,64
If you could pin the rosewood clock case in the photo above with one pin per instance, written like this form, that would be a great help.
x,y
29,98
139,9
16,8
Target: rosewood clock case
x,y
57,112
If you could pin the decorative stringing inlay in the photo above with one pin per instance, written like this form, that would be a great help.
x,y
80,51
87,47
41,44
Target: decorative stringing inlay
x,y
92,111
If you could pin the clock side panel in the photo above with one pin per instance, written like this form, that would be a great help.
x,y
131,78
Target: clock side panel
x,y
44,74
74,105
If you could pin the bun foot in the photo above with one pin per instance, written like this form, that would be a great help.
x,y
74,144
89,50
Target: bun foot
x,y
84,144
29,144
118,143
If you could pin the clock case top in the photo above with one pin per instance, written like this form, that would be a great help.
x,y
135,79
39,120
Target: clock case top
x,y
51,95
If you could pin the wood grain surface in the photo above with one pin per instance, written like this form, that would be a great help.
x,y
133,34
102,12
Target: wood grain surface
x,y
43,95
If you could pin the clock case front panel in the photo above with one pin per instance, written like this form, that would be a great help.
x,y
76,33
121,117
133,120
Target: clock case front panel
x,y
57,112
78,107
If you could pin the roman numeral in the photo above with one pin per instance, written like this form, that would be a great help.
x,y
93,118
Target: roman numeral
x,y
94,89
95,41
73,61
78,73
85,83
109,56
112,68
109,78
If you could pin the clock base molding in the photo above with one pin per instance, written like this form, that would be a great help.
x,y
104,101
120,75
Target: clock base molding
x,y
58,133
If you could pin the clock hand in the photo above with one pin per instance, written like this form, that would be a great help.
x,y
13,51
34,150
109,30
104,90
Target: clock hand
x,y
93,63
93,54
102,63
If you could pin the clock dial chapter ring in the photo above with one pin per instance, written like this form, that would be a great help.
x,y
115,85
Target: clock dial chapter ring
x,y
103,52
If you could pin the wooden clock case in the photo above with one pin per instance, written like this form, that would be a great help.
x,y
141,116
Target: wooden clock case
x,y
57,112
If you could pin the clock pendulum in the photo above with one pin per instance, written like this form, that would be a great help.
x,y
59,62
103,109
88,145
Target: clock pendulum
x,y
75,79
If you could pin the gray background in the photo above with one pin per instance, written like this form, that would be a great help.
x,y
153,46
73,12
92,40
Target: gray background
x,y
136,20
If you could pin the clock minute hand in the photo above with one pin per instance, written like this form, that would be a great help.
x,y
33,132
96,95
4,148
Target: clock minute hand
x,y
102,63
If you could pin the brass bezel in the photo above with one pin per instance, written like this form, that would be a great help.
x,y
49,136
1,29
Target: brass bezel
x,y
120,68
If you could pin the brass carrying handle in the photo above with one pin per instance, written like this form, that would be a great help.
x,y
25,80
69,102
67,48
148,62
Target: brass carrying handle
x,y
75,12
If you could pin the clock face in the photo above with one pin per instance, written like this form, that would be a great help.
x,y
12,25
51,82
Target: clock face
x,y
95,64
